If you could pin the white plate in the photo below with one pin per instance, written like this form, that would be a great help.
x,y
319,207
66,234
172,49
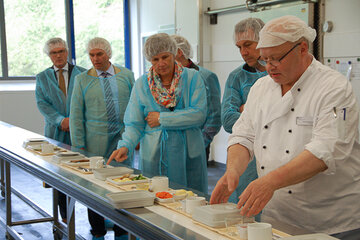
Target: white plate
x,y
36,140
77,163
67,154
131,199
103,173
316,236
110,179
35,147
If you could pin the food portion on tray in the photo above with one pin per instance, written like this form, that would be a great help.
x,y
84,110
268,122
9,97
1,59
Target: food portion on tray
x,y
173,195
127,179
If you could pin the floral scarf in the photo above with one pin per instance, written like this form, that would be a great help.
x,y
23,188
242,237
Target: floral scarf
x,y
163,96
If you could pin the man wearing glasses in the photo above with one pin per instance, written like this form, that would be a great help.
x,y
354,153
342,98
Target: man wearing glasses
x,y
53,93
301,123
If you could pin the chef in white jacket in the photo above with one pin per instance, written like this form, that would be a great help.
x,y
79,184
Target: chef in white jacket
x,y
301,123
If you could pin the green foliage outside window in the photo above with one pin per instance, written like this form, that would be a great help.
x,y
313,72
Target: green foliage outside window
x,y
29,24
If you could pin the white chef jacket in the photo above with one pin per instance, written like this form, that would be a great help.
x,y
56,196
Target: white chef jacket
x,y
277,128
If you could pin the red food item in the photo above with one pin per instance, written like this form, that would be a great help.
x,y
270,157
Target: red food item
x,y
164,195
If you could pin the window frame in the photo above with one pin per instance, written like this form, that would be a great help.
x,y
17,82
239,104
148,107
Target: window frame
x,y
70,38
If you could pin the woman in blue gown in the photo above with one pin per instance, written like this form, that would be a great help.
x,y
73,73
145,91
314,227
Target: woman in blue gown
x,y
166,111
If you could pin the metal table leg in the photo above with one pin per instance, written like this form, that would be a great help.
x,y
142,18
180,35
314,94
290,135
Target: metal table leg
x,y
70,217
2,183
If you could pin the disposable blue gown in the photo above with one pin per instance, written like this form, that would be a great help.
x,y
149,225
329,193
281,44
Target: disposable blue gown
x,y
236,91
176,147
53,104
88,115
213,118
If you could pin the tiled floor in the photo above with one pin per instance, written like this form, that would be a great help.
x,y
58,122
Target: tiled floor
x,y
32,188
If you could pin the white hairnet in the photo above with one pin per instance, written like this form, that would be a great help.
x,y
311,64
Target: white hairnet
x,y
183,45
248,29
54,43
99,43
285,29
159,43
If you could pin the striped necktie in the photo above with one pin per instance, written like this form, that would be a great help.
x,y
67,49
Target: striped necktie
x,y
113,122
62,81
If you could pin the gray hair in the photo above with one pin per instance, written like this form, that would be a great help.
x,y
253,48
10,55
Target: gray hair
x,y
54,43
100,43
159,43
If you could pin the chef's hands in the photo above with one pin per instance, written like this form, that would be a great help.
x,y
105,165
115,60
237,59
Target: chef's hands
x,y
119,155
257,194
153,119
65,125
225,187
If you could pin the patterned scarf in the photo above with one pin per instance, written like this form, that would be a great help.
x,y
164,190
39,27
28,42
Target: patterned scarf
x,y
163,96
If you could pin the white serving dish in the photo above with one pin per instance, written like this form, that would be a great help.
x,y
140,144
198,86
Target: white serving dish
x,y
316,236
76,164
110,179
165,200
214,215
103,173
34,141
131,199
61,157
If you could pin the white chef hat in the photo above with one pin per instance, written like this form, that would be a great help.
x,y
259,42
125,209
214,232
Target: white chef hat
x,y
284,29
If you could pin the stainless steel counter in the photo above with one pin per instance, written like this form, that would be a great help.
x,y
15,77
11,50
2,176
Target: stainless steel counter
x,y
146,223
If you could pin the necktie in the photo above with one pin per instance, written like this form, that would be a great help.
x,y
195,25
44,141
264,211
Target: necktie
x,y
62,81
113,123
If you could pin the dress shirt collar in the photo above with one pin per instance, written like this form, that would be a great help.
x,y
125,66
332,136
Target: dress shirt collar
x,y
110,71
66,67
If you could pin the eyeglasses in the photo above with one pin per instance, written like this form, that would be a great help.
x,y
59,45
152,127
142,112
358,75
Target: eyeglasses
x,y
276,63
58,52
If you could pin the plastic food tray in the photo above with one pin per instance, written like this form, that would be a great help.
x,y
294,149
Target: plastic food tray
x,y
110,179
70,163
214,215
103,173
316,236
67,156
34,141
131,199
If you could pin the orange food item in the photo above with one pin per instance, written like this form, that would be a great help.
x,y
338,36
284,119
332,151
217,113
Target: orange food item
x,y
164,195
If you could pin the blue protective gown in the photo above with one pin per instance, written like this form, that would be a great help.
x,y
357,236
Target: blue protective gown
x,y
176,147
88,115
52,102
236,91
212,124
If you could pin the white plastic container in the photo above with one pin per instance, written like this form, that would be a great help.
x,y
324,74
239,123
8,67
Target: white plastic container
x,y
131,199
34,141
67,156
214,215
103,173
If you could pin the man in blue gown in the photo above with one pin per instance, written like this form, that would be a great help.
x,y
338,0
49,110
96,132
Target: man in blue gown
x,y
53,93
100,97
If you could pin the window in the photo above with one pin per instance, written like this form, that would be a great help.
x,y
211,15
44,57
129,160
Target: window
x,y
99,18
28,25
25,26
